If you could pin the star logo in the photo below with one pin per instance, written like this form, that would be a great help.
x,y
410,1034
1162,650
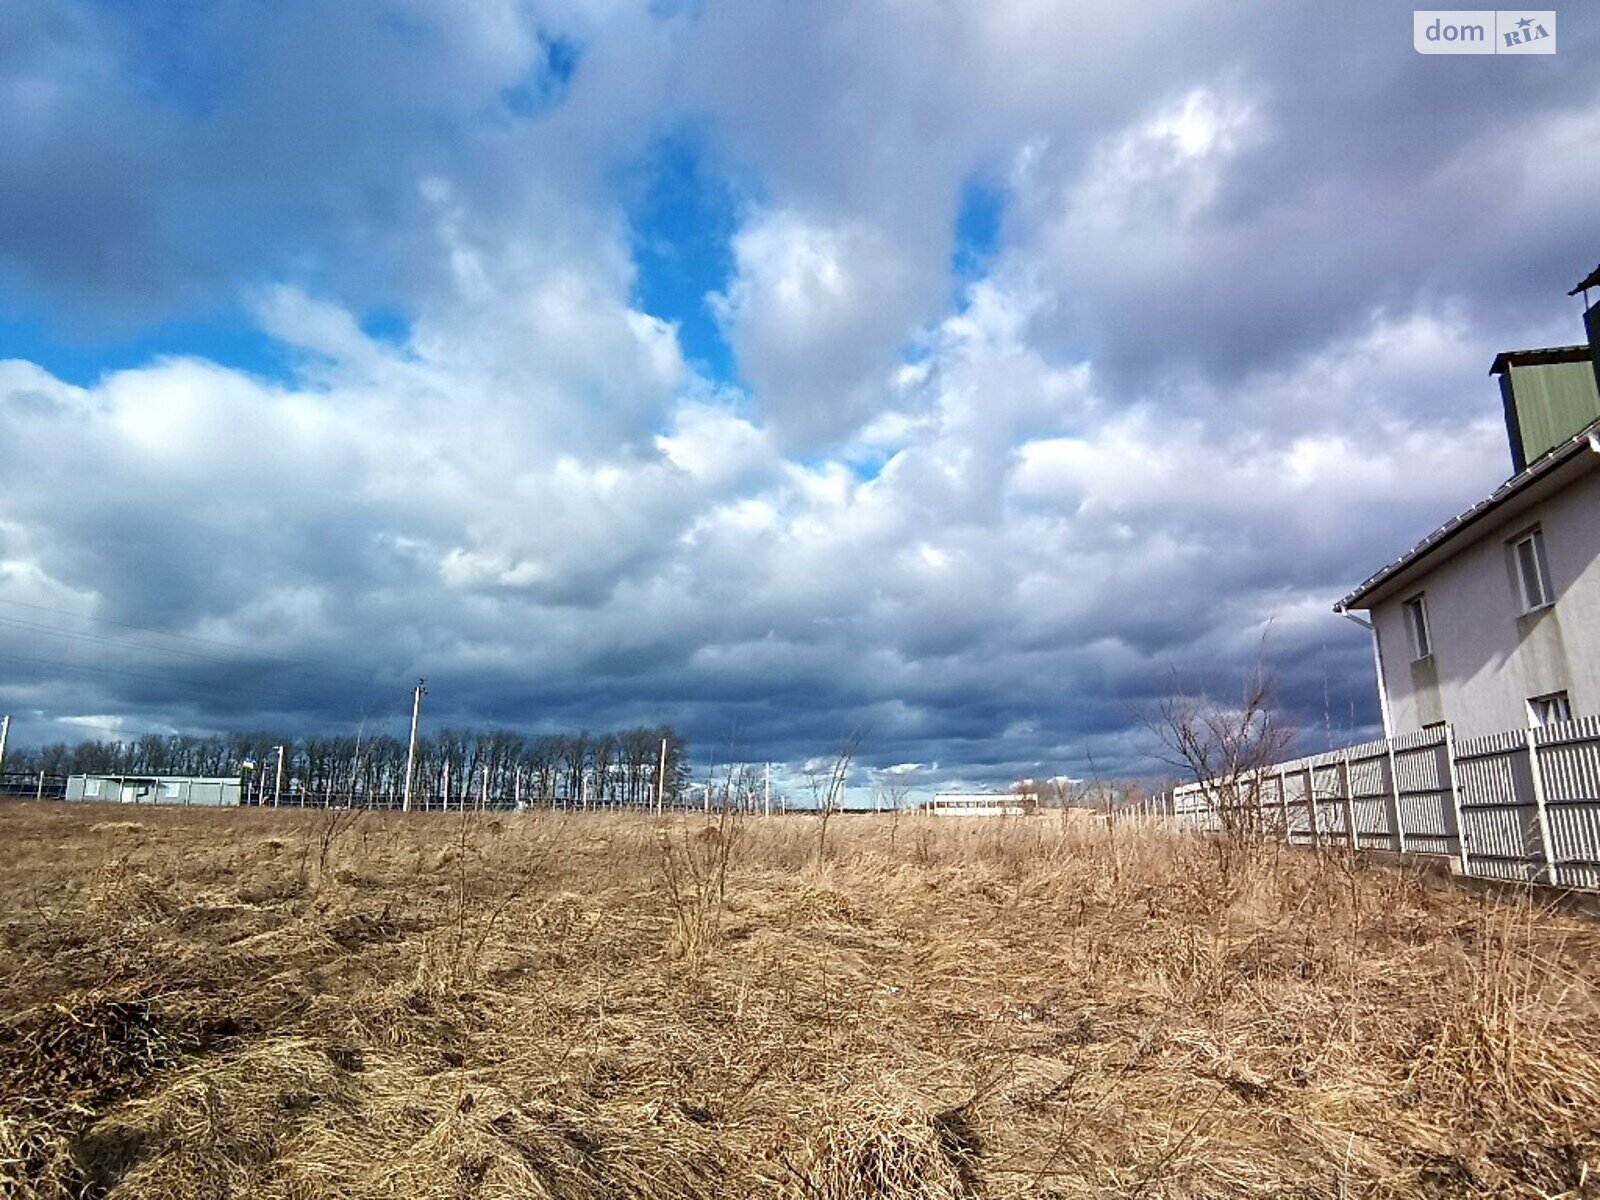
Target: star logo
x,y
1524,23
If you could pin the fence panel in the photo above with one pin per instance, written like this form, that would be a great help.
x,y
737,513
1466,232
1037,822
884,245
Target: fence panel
x,y
1498,809
1422,798
1327,785
44,787
1299,807
1370,792
1569,766
1520,805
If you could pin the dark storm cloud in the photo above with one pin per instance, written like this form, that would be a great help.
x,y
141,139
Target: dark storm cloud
x,y
161,156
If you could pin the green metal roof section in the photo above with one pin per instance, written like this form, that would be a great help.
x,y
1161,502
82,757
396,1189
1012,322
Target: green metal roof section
x,y
1554,401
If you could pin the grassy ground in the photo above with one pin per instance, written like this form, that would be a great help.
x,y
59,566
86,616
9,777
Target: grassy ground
x,y
271,1005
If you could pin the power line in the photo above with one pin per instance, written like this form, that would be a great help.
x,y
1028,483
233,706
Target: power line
x,y
240,647
79,723
69,723
76,723
231,691
52,631
390,713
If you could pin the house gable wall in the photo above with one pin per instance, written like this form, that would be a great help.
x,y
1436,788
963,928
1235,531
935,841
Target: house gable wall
x,y
1488,657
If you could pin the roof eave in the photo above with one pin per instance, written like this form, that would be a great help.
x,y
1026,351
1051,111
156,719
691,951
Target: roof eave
x,y
1543,356
1587,439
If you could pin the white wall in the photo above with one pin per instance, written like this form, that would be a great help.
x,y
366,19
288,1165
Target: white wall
x,y
1488,658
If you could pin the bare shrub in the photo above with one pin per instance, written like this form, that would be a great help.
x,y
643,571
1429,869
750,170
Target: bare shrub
x,y
1226,749
694,863
489,875
827,780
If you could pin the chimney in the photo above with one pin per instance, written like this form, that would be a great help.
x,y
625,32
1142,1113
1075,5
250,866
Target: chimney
x,y
1551,395
1591,319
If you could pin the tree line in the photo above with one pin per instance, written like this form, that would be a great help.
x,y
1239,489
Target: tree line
x,y
455,767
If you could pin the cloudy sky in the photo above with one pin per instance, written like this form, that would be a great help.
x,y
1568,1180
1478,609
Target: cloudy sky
x,y
968,373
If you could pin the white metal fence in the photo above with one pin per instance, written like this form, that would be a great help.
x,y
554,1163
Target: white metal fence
x,y
1520,805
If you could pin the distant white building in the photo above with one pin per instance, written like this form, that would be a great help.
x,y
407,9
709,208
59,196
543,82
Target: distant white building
x,y
976,804
196,790
1492,622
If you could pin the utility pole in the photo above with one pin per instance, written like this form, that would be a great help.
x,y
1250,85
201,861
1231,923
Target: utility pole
x,y
5,731
277,786
411,754
661,779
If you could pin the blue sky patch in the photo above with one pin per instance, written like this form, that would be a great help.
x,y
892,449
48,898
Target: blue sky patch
x,y
683,215
228,339
545,84
387,325
983,205
81,351
176,57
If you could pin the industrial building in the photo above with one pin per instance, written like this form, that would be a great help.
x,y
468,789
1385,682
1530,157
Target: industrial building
x,y
198,791
1492,622
976,804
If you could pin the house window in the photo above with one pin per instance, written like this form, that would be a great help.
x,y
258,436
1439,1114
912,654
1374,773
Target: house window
x,y
1549,710
1533,572
1416,612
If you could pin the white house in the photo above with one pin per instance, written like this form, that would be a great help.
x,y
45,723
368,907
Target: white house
x,y
1492,622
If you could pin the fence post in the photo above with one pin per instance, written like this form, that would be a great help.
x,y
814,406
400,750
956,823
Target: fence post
x,y
1349,803
1455,797
1541,818
1283,804
1392,796
1311,805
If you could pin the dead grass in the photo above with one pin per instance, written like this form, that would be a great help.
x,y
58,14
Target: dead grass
x,y
288,1006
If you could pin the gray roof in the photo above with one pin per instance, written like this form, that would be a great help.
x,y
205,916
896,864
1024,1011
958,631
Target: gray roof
x,y
1586,439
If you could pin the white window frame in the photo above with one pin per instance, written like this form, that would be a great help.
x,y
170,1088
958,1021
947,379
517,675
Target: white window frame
x,y
1533,592
1550,709
1419,631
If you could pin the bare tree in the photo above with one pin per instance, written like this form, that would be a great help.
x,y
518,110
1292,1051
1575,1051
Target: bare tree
x,y
1226,749
367,770
1028,795
827,784
892,789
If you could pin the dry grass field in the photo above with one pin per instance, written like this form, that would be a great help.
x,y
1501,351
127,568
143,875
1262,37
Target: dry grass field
x,y
277,1005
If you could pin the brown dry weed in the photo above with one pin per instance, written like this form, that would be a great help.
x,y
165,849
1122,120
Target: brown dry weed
x,y
285,1006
